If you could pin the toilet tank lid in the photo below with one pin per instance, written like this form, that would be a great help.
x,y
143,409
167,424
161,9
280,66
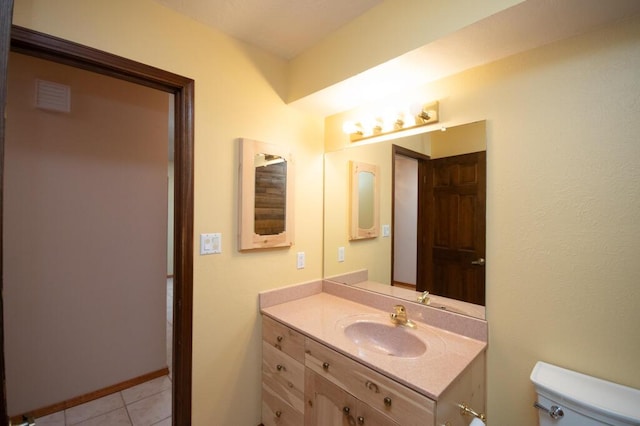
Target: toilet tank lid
x,y
618,401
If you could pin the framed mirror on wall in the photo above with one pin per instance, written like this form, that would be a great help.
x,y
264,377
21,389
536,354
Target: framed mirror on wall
x,y
266,180
385,258
365,214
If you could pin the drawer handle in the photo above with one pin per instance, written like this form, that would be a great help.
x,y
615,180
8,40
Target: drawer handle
x,y
387,401
325,366
278,413
278,347
281,367
360,420
372,386
279,338
350,419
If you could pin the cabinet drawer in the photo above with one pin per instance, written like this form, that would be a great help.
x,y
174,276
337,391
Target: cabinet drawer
x,y
283,338
396,401
276,412
283,375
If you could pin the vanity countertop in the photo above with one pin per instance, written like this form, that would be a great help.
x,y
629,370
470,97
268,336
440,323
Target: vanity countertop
x,y
320,315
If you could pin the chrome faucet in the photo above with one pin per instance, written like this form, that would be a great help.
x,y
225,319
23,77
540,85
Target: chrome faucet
x,y
399,317
424,298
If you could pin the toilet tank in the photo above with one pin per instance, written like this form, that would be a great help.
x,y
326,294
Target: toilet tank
x,y
583,400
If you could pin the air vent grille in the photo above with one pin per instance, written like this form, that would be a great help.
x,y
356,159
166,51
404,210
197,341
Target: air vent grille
x,y
53,96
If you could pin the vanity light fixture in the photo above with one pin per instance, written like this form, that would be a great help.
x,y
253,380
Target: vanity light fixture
x,y
415,116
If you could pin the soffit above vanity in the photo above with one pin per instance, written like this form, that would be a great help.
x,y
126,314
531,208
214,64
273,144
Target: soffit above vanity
x,y
343,54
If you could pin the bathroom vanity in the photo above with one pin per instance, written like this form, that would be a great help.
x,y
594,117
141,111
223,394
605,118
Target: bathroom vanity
x,y
332,356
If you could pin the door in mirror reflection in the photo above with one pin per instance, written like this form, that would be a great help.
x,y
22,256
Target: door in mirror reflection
x,y
458,209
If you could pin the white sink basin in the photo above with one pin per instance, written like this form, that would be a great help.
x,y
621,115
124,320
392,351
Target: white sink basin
x,y
386,339
375,333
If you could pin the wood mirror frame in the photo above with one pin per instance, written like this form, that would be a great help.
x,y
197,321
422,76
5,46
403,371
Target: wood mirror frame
x,y
248,238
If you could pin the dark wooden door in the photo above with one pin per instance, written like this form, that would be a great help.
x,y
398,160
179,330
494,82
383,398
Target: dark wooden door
x,y
458,209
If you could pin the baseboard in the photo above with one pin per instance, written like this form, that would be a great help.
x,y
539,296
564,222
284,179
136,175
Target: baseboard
x,y
404,285
54,408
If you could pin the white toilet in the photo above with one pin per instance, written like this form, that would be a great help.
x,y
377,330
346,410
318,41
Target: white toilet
x,y
567,398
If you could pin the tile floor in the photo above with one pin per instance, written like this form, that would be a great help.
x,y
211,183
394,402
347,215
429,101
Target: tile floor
x,y
147,404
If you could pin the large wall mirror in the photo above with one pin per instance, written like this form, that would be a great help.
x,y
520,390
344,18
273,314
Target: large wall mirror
x,y
266,196
432,198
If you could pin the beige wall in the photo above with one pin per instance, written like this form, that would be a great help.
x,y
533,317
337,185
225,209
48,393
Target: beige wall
x,y
563,209
85,303
236,95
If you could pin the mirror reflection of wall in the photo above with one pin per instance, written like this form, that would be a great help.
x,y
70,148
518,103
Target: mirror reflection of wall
x,y
270,194
405,221
386,260
365,199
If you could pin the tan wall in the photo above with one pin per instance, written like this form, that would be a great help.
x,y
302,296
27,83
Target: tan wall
x,y
237,94
563,209
85,235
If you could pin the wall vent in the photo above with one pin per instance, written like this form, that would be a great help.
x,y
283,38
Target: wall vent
x,y
53,96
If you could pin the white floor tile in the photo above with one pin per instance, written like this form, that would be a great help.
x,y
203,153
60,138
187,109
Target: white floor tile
x,y
151,410
94,408
117,417
146,389
55,419
165,422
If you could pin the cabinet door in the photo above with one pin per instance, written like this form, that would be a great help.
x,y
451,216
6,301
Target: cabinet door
x,y
328,405
399,403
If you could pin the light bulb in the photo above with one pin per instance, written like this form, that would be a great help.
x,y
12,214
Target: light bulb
x,y
349,127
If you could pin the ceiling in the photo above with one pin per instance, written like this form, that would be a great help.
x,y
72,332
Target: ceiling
x,y
289,27
283,27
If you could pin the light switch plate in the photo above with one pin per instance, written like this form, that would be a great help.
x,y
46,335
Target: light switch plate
x,y
340,254
211,243
300,263
386,230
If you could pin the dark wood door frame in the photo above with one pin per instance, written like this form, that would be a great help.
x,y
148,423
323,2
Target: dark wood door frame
x,y
424,228
58,50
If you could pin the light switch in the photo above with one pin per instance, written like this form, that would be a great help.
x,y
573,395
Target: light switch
x,y
386,230
211,243
340,254
300,263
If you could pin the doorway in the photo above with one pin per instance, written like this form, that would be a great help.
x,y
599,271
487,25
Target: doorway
x,y
57,50
410,245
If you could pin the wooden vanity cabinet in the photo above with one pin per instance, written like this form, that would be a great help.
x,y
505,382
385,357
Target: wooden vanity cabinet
x,y
329,405
396,403
282,375
307,383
